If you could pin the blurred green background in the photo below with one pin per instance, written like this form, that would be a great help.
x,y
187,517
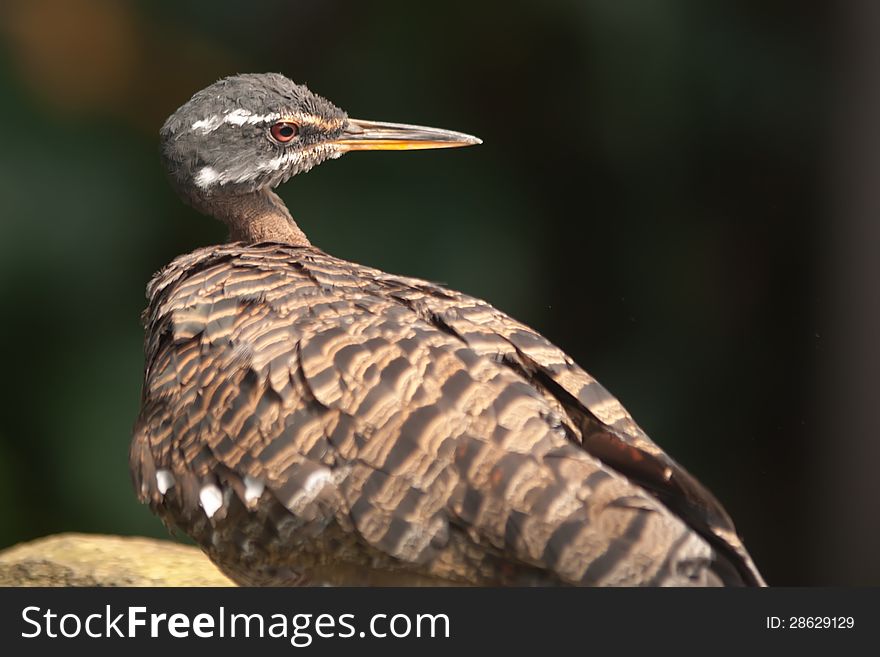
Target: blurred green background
x,y
681,194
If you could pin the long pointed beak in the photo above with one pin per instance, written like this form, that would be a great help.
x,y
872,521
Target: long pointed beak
x,y
360,135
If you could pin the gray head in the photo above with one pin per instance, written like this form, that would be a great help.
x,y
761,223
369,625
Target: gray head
x,y
246,134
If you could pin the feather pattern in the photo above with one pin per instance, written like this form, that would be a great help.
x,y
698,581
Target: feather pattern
x,y
365,428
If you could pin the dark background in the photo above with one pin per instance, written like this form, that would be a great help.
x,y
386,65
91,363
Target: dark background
x,y
683,195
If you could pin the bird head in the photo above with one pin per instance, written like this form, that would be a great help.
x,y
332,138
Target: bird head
x,y
252,132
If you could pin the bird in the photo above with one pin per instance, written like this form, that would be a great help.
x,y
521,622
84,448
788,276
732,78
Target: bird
x,y
312,421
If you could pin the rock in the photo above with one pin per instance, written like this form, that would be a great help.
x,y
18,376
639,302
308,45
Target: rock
x,y
95,560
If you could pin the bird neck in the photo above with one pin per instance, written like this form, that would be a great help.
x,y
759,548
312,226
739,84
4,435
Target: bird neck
x,y
259,216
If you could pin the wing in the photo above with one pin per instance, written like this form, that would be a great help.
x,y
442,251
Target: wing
x,y
606,429
379,421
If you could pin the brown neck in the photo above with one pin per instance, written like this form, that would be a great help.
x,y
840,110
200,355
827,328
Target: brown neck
x,y
259,216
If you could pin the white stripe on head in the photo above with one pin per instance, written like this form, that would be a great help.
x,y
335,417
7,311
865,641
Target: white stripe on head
x,y
206,177
237,117
242,116
208,125
267,166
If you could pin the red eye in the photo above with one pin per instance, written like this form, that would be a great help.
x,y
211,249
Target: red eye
x,y
283,131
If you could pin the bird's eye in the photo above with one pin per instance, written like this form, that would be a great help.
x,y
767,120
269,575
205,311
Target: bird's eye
x,y
284,131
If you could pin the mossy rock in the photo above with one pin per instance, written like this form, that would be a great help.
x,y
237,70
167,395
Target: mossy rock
x,y
95,560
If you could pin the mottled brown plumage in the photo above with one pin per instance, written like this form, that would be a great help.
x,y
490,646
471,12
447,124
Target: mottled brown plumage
x,y
310,420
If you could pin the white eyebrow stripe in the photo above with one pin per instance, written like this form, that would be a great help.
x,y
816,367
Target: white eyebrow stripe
x,y
237,117
242,116
209,124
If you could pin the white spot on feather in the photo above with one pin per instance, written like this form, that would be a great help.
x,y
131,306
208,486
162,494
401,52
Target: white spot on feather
x,y
164,481
311,488
211,499
206,177
253,489
316,480
418,537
